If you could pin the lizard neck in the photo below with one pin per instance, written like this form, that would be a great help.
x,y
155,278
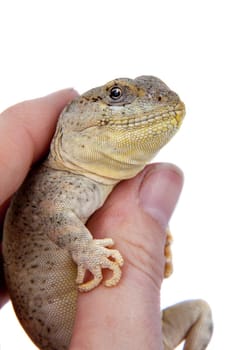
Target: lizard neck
x,y
57,163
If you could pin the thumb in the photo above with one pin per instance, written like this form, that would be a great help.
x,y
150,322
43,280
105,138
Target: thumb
x,y
136,216
160,190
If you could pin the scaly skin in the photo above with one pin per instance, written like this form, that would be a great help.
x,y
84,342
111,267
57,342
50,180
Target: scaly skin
x,y
104,136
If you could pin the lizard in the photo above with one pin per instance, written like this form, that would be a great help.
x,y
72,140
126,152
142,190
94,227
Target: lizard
x,y
106,135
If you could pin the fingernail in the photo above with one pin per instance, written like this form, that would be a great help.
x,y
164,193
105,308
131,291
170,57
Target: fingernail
x,y
160,190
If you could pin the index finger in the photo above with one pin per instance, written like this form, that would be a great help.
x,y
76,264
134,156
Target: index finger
x,y
25,133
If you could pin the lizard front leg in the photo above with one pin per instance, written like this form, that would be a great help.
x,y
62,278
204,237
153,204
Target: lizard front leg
x,y
92,255
190,321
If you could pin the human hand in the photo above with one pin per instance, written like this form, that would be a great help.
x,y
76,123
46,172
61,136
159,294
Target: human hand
x,y
135,216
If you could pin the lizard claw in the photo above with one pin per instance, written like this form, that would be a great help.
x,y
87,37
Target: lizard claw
x,y
94,258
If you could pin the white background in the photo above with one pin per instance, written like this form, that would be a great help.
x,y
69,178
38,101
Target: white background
x,y
48,45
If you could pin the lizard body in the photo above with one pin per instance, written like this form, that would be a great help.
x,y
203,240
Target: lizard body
x,y
104,136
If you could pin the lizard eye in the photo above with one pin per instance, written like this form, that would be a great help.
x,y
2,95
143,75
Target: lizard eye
x,y
115,93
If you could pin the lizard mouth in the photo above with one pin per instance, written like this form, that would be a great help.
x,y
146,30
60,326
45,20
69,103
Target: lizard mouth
x,y
170,116
180,113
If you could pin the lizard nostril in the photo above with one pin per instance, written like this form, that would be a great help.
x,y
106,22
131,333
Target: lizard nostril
x,y
159,98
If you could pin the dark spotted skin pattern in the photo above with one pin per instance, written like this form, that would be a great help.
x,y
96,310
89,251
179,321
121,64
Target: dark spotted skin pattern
x,y
32,257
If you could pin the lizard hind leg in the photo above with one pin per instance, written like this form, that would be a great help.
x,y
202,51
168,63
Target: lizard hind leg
x,y
190,321
168,268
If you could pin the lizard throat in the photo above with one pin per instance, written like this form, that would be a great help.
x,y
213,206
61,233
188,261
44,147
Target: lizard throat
x,y
113,152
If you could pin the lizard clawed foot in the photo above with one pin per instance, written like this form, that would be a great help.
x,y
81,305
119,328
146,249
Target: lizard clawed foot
x,y
94,257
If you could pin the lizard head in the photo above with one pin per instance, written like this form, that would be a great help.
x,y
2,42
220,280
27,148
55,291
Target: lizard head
x,y
114,130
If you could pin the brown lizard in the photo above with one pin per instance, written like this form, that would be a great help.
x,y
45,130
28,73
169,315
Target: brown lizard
x,y
104,136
